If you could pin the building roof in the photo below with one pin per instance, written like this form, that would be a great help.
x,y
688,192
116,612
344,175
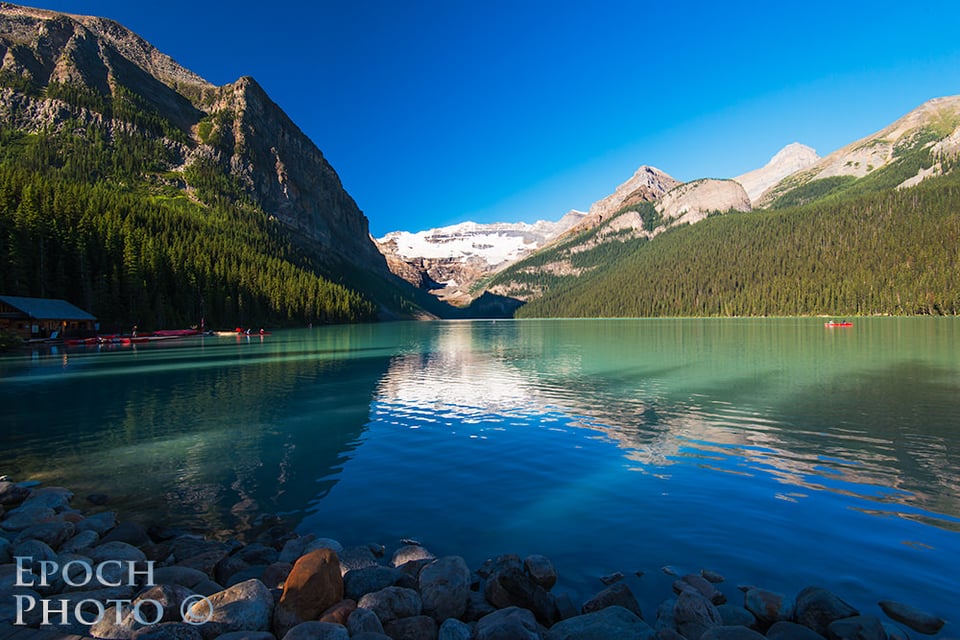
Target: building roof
x,y
46,308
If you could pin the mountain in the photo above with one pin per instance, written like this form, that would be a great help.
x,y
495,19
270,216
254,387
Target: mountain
x,y
91,108
870,229
792,158
900,155
647,204
449,261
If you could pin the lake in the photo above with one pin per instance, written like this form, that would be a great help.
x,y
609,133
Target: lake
x,y
774,451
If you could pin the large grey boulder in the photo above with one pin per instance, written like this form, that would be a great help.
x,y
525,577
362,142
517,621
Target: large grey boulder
x,y
817,607
445,588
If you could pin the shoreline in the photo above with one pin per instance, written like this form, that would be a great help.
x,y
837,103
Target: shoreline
x,y
108,578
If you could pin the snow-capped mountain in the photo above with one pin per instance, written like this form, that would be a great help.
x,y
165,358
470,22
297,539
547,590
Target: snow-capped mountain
x,y
449,260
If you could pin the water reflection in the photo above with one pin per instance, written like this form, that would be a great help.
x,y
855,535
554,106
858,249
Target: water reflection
x,y
815,411
208,436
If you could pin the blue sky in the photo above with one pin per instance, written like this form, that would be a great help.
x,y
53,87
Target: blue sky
x,y
436,112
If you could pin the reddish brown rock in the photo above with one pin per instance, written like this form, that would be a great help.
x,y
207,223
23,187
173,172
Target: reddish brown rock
x,y
313,586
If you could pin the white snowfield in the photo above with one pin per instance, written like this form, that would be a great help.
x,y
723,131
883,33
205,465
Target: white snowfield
x,y
494,244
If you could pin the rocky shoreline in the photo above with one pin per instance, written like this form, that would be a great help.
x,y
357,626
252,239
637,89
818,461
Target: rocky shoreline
x,y
94,575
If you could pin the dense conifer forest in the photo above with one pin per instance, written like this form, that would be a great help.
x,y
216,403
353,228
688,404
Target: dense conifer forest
x,y
854,253
90,214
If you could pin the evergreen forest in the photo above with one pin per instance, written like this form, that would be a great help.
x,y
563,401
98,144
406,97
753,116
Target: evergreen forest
x,y
859,252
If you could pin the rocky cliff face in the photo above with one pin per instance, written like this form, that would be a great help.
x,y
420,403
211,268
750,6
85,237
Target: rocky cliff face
x,y
692,202
792,158
647,184
236,127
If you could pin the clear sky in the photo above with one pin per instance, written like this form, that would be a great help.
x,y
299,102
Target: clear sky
x,y
435,112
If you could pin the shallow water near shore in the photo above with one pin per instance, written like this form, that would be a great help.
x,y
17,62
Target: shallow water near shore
x,y
776,452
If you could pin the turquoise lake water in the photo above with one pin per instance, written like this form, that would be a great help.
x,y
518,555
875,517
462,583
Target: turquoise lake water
x,y
776,452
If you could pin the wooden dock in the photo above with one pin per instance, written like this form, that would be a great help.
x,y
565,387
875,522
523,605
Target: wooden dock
x,y
13,632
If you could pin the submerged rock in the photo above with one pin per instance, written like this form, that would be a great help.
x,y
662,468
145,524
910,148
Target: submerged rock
x,y
817,608
918,620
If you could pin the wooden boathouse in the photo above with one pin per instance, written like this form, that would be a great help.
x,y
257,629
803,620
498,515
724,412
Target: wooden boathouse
x,y
38,318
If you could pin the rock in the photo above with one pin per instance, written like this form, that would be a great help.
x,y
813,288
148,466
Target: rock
x,y
733,616
314,630
409,553
369,635
356,558
100,522
694,614
183,576
894,632
453,629
392,603
208,587
711,576
5,556
734,632
323,543
276,574
541,570
411,541
704,587
243,607
167,631
52,533
81,542
565,606
98,499
857,628
612,622
255,571
768,606
163,533
477,607
12,494
616,576
618,595
257,553
294,548
665,618
228,566
668,633
56,498
786,630
247,635
129,532
359,582
313,586
170,597
512,623
493,565
817,608
377,549
918,620
445,588
339,613
24,517
413,628
361,620
523,592
414,567
121,551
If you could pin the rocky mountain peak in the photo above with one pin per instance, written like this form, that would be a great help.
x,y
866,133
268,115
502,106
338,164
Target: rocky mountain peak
x,y
790,159
235,129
